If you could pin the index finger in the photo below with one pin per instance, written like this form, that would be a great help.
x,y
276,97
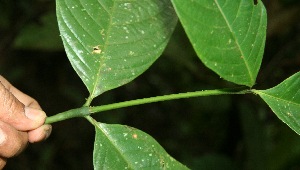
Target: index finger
x,y
18,109
22,97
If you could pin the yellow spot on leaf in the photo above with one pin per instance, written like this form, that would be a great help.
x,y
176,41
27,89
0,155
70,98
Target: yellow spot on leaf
x,y
135,136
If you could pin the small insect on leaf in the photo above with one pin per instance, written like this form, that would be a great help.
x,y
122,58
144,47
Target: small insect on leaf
x,y
96,50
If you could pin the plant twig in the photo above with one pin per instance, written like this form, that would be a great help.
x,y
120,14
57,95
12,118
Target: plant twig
x,y
85,110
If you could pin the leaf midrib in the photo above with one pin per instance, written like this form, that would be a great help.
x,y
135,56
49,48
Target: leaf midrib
x,y
115,146
286,101
236,41
277,98
104,49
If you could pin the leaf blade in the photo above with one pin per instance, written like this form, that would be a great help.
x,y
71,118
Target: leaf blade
x,y
109,43
221,34
284,100
123,147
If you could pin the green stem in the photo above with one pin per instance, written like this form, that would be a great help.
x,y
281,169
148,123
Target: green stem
x,y
88,101
91,120
85,111
79,112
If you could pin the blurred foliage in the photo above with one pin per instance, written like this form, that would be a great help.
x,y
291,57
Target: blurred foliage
x,y
220,132
40,36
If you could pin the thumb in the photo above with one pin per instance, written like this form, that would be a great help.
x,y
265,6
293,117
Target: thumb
x,y
13,112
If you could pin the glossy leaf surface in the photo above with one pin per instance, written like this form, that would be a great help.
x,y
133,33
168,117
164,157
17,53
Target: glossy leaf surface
x,y
124,147
284,100
111,42
227,35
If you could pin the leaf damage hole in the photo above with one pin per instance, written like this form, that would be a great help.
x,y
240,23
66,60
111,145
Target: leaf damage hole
x,y
96,50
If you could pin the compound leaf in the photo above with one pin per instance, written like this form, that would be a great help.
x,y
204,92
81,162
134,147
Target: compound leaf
x,y
111,42
227,35
123,147
284,100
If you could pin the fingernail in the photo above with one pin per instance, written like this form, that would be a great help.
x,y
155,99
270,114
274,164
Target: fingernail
x,y
48,131
35,114
2,137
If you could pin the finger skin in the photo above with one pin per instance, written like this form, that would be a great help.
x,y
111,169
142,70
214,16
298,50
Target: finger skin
x,y
21,121
12,103
22,97
39,134
2,162
12,141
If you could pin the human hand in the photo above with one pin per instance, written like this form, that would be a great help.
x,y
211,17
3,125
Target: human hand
x,y
21,121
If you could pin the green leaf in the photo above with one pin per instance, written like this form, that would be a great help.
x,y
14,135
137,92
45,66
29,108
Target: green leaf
x,y
284,100
111,42
228,36
123,147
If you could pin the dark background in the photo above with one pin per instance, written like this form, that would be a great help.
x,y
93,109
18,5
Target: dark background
x,y
221,132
